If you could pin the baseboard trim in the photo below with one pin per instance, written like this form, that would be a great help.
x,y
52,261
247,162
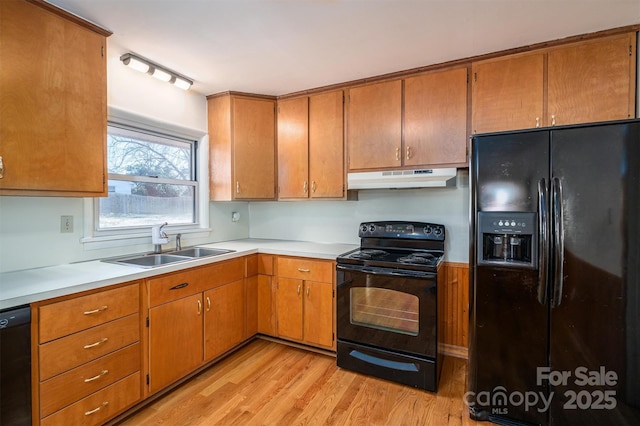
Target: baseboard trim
x,y
454,351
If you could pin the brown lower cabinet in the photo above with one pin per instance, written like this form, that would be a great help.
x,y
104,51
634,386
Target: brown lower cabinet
x,y
88,353
102,352
194,316
304,301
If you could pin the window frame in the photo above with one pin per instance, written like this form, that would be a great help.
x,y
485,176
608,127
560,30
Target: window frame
x,y
95,238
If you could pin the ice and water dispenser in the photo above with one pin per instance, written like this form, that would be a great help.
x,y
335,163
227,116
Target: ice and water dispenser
x,y
508,239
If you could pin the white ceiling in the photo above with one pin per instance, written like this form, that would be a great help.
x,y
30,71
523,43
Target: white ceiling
x,y
276,47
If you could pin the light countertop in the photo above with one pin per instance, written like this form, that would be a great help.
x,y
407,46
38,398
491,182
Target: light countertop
x,y
32,285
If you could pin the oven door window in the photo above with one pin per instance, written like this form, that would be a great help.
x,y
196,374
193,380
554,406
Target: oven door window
x,y
385,309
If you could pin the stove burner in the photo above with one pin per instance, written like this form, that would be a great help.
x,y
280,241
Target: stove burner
x,y
418,258
368,254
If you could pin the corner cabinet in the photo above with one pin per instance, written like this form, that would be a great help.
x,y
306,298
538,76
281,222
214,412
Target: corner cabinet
x,y
242,151
305,301
311,147
53,92
587,81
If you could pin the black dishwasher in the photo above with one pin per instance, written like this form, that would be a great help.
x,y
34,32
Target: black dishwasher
x,y
15,366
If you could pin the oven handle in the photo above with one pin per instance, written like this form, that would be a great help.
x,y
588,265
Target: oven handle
x,y
387,272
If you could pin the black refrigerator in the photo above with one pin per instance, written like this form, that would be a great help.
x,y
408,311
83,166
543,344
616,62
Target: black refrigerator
x,y
555,277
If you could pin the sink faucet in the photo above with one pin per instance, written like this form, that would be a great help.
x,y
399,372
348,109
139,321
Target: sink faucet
x,y
178,242
158,237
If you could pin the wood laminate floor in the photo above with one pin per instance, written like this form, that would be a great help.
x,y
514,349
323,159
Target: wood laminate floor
x,y
267,383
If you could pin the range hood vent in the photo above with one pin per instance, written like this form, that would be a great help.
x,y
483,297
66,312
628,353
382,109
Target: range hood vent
x,y
398,179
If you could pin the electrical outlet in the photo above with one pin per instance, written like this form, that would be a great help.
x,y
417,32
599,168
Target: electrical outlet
x,y
235,217
66,224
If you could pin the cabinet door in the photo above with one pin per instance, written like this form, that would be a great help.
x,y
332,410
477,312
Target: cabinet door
x,y
289,308
375,126
254,148
326,145
318,313
508,93
175,340
266,320
435,120
53,97
293,148
224,322
592,81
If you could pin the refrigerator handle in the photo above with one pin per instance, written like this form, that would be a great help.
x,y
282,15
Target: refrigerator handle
x,y
558,235
543,242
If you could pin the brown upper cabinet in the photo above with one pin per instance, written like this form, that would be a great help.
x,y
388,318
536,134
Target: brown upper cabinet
x,y
241,147
435,118
592,81
311,147
580,82
53,91
430,109
374,126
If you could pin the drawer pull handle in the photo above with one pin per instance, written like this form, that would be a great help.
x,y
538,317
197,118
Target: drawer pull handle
x,y
304,270
91,379
179,286
95,311
93,345
95,410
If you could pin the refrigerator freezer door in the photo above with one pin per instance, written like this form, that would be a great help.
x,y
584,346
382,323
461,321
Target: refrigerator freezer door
x,y
509,325
594,322
507,169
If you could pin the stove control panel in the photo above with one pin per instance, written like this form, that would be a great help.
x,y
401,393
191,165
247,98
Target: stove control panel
x,y
397,229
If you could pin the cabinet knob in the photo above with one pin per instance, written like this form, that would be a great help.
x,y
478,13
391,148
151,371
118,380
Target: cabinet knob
x,y
1,168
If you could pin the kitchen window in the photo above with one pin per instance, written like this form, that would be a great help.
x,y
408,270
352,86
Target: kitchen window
x,y
152,180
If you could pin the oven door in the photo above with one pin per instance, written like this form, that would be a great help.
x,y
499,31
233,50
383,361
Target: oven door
x,y
387,308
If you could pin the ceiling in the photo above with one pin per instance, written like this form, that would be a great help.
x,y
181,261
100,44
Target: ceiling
x,y
276,47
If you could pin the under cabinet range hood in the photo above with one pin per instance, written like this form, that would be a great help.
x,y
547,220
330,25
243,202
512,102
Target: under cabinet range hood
x,y
399,179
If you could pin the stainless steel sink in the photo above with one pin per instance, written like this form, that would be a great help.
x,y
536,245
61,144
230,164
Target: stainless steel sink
x,y
200,252
153,260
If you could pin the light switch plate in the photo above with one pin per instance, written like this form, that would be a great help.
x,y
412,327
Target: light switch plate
x,y
66,224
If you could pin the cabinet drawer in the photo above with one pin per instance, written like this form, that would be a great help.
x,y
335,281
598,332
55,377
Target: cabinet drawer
x,y
265,264
69,387
99,407
305,269
73,315
69,352
176,286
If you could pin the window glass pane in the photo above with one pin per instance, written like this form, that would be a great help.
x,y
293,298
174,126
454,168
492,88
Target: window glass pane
x,y
145,155
146,204
151,180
